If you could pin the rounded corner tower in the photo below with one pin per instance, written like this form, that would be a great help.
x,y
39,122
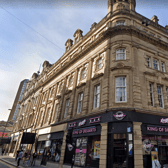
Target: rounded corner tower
x,y
115,5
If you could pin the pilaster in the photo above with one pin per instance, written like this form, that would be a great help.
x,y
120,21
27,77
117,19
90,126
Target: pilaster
x,y
63,148
105,81
87,89
103,145
138,155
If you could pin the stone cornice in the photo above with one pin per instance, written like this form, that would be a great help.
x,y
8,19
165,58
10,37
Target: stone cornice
x,y
132,31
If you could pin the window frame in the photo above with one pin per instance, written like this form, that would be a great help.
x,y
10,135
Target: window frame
x,y
80,103
163,66
155,62
83,75
148,61
118,54
161,91
96,102
67,103
116,87
120,23
99,63
151,94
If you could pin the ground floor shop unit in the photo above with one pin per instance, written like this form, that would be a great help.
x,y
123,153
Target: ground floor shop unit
x,y
118,139
122,138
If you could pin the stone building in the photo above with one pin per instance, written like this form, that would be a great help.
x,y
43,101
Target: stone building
x,y
105,100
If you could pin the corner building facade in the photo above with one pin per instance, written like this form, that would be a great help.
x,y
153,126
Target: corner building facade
x,y
105,101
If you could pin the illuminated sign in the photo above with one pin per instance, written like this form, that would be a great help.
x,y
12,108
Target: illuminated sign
x,y
3,134
82,122
84,130
94,120
157,129
164,121
72,124
119,115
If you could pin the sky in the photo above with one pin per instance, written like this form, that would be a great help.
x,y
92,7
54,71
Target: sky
x,y
32,31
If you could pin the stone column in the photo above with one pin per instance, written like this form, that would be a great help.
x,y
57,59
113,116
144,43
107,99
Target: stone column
x,y
63,149
138,154
103,145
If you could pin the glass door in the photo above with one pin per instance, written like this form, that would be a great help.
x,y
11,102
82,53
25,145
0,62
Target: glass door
x,y
119,151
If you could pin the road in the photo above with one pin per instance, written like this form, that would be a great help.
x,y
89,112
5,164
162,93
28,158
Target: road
x,y
5,165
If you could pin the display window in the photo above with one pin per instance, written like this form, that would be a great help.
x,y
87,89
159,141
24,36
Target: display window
x,y
54,151
155,145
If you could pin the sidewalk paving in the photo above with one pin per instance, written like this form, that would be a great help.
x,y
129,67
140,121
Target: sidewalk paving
x,y
11,161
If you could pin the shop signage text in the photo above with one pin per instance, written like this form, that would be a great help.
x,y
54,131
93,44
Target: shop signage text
x,y
94,120
2,134
72,124
82,123
164,121
147,145
119,115
157,129
84,130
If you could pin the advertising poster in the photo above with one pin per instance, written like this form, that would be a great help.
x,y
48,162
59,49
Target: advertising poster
x,y
153,153
97,149
80,153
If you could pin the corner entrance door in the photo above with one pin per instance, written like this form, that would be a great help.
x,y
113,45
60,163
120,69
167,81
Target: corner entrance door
x,y
119,151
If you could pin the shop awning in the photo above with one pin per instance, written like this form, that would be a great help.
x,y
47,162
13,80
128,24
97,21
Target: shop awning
x,y
5,141
57,135
28,138
43,137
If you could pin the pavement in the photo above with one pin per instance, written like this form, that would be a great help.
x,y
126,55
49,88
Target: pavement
x,y
11,161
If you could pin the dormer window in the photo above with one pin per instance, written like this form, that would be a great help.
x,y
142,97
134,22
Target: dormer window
x,y
121,54
120,23
99,64
83,73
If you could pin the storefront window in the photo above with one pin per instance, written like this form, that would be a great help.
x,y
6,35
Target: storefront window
x,y
154,145
93,154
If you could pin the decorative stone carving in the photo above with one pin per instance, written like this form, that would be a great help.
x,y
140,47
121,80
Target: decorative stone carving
x,y
77,35
120,6
68,44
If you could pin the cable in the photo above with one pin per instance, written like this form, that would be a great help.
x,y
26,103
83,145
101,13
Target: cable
x,y
31,28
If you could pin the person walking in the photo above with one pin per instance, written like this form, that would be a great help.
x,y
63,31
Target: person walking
x,y
155,162
34,159
19,158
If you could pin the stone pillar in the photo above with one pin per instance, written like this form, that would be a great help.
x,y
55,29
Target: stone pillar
x,y
103,145
138,154
63,149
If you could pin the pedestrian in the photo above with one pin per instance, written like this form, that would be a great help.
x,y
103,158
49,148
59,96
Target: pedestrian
x,y
17,153
155,162
2,152
34,159
19,157
25,155
73,160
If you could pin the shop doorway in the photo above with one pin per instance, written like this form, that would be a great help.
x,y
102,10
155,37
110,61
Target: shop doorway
x,y
163,155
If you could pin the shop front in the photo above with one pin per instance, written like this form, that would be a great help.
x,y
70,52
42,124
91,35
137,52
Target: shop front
x,y
84,139
129,134
155,142
14,138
